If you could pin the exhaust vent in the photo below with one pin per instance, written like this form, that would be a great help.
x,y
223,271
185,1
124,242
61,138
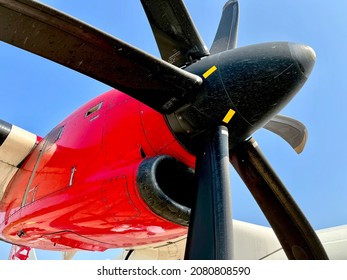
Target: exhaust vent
x,y
166,185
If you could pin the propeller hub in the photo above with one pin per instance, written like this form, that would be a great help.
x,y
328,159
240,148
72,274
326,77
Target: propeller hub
x,y
243,89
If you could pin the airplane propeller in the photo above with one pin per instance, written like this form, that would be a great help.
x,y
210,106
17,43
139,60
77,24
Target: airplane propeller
x,y
213,101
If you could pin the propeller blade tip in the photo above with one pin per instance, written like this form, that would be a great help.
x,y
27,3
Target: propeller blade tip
x,y
298,149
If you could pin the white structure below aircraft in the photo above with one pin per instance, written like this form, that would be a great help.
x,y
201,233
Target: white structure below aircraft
x,y
251,242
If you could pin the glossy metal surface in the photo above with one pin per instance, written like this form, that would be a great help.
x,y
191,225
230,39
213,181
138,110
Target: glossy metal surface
x,y
77,188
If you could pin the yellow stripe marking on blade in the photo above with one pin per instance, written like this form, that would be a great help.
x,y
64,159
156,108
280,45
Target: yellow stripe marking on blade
x,y
229,116
209,72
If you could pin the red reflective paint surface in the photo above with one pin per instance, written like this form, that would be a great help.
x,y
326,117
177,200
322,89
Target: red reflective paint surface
x,y
77,189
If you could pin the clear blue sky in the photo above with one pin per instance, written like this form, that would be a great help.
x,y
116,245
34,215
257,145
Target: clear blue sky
x,y
36,94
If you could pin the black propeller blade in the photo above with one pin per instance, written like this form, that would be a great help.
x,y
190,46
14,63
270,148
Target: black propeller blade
x,y
210,228
239,90
298,239
245,88
67,41
226,36
177,38
291,130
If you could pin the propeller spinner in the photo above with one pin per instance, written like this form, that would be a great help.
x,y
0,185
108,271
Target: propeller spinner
x,y
213,102
243,89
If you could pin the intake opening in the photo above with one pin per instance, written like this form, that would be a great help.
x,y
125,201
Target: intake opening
x,y
166,185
